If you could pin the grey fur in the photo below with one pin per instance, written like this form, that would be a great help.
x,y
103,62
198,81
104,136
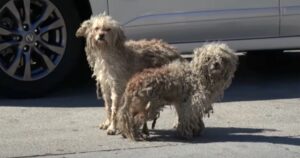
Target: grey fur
x,y
191,88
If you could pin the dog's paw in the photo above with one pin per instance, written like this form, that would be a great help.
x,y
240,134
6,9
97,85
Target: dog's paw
x,y
141,137
145,136
124,136
111,132
200,130
104,125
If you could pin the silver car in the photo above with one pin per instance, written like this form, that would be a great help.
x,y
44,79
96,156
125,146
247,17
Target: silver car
x,y
38,48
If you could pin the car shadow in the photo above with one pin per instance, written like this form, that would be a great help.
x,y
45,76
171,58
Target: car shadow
x,y
259,77
226,134
80,96
265,77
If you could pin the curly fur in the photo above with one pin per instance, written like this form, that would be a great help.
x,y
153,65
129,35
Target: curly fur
x,y
191,88
114,60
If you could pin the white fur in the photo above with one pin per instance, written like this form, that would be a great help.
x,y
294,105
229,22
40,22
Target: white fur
x,y
114,60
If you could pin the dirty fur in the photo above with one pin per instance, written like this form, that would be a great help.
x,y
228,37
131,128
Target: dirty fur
x,y
191,88
114,60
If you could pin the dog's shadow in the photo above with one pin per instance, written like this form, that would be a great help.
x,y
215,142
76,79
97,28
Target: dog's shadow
x,y
222,134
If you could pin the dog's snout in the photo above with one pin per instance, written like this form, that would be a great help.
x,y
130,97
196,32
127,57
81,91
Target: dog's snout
x,y
101,37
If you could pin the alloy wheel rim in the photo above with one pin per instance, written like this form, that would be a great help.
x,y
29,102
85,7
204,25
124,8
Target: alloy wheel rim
x,y
32,38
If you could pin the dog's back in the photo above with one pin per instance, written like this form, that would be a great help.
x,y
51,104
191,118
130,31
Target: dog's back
x,y
154,52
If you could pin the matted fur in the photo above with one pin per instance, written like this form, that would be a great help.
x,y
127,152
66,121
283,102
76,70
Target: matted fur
x,y
191,88
114,60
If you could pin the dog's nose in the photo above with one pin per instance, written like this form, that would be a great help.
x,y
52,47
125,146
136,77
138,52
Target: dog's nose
x,y
101,37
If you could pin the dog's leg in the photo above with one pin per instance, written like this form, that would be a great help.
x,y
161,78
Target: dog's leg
x,y
153,123
140,119
200,128
128,123
154,120
107,101
98,91
145,129
184,128
115,98
190,122
175,123
107,121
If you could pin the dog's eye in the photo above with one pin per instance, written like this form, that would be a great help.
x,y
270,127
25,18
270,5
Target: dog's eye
x,y
97,28
107,29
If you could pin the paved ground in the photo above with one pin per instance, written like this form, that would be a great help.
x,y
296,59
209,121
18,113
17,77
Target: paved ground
x,y
259,117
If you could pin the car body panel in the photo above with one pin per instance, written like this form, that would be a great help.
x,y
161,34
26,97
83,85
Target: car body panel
x,y
197,20
243,24
290,18
280,43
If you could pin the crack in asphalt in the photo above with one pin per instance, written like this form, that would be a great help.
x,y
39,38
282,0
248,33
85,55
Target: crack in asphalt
x,y
92,151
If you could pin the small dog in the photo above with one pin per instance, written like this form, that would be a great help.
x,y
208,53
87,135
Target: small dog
x,y
114,60
191,88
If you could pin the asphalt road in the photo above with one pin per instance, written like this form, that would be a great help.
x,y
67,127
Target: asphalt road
x,y
258,117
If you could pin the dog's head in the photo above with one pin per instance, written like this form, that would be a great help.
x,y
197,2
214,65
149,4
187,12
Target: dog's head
x,y
215,62
102,32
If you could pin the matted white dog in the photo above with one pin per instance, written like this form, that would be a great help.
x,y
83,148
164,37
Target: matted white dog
x,y
114,60
191,88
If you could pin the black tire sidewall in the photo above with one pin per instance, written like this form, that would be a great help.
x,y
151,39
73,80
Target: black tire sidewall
x,y
71,58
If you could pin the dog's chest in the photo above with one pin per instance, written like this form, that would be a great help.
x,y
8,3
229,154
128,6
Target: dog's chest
x,y
116,67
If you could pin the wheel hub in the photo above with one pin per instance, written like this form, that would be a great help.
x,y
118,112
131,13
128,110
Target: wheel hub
x,y
32,38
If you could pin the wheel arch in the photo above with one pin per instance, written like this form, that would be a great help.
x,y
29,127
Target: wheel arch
x,y
84,7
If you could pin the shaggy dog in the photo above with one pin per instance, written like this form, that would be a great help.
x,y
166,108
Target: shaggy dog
x,y
191,88
114,60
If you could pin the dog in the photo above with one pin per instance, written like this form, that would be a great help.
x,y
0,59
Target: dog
x,y
114,60
191,88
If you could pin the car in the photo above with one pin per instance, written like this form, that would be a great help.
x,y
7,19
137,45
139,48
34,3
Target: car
x,y
38,47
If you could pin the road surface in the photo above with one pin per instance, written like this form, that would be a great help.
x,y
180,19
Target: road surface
x,y
258,117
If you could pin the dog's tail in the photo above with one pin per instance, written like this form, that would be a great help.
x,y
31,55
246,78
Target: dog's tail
x,y
125,119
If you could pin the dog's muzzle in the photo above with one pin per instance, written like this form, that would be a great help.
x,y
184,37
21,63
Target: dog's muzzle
x,y
101,37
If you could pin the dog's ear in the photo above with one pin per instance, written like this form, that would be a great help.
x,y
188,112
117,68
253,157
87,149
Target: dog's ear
x,y
119,38
103,13
83,29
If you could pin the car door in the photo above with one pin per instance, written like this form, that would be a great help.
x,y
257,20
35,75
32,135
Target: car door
x,y
290,17
184,21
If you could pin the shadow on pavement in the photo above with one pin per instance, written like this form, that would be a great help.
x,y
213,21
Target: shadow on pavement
x,y
259,77
266,76
83,96
223,134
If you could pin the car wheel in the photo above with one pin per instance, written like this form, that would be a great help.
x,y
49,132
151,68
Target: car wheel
x,y
38,48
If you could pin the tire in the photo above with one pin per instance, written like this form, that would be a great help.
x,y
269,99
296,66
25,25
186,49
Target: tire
x,y
43,46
